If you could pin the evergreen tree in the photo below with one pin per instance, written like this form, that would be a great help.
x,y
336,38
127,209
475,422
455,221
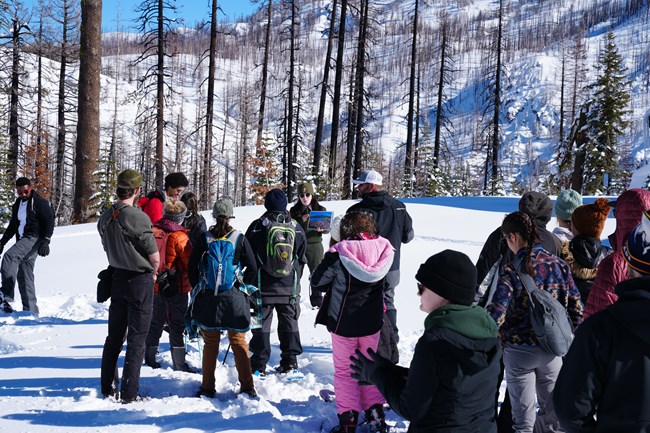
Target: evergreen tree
x,y
606,121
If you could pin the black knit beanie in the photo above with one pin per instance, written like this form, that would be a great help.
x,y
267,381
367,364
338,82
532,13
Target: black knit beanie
x,y
450,274
275,200
537,205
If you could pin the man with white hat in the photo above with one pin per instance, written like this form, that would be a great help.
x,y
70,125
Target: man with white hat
x,y
392,222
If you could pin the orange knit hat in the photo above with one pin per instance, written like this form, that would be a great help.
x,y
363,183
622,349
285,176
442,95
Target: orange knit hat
x,y
589,219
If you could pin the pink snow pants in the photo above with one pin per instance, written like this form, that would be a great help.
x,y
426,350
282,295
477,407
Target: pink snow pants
x,y
349,395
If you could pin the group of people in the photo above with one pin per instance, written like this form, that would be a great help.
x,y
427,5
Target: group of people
x,y
478,327
145,238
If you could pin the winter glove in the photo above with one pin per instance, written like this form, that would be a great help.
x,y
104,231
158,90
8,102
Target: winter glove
x,y
44,247
363,368
315,298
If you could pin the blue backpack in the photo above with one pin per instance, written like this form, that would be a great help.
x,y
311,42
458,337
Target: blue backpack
x,y
216,268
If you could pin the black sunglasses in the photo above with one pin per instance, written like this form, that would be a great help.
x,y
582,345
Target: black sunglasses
x,y
420,289
305,195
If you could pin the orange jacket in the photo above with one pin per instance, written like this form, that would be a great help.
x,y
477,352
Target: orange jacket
x,y
177,256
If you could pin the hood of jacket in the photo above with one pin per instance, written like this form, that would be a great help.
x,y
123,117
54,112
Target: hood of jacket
x,y
471,321
366,260
588,252
631,308
169,226
629,208
376,200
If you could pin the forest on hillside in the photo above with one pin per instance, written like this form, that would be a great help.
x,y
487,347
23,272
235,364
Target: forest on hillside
x,y
443,98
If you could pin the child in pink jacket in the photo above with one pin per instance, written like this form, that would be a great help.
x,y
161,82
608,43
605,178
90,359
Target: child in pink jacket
x,y
352,275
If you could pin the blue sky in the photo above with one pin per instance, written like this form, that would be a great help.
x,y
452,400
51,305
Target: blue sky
x,y
191,11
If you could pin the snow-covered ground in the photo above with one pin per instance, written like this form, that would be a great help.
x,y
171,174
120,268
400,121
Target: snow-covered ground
x,y
49,365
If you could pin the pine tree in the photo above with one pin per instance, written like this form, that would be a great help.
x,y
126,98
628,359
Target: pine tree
x,y
607,120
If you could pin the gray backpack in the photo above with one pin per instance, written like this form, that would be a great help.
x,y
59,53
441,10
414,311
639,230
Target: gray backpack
x,y
549,318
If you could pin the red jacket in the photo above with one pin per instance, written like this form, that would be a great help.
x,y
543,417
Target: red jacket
x,y
178,252
612,270
152,204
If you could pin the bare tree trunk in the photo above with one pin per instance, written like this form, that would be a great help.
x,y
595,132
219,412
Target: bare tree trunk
x,y
497,107
60,178
408,169
360,88
323,96
160,96
291,173
265,73
87,146
206,176
338,77
441,83
14,139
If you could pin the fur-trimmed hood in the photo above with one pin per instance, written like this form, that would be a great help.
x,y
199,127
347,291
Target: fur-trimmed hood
x,y
367,260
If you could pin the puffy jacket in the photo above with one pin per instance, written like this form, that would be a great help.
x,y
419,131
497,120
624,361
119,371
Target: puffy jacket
x,y
152,204
40,219
583,254
277,290
178,251
604,384
612,270
509,307
392,221
352,273
453,378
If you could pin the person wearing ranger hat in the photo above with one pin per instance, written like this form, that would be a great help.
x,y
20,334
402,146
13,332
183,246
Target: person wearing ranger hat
x,y
392,222
604,383
300,212
453,377
127,238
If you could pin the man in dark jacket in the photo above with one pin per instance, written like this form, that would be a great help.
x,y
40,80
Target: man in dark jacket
x,y
603,385
392,222
279,281
32,222
452,381
127,238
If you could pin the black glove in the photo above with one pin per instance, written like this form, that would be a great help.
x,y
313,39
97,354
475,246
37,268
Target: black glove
x,y
363,368
44,247
2,247
316,299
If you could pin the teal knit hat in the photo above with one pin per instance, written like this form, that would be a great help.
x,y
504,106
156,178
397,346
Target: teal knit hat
x,y
567,201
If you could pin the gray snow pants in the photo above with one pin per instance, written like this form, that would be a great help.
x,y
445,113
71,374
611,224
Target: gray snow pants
x,y
18,265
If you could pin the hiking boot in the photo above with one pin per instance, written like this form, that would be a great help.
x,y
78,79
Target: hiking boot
x,y
376,419
129,400
209,393
150,356
347,422
251,392
111,393
259,373
6,307
288,367
178,360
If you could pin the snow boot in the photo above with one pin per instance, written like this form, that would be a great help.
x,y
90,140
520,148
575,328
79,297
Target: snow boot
x,y
150,356
6,307
376,419
178,360
347,422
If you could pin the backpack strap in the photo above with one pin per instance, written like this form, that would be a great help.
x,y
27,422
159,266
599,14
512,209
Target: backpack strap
x,y
526,280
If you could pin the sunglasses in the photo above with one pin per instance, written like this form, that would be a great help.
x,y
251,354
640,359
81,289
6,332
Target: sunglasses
x,y
421,289
305,195
22,192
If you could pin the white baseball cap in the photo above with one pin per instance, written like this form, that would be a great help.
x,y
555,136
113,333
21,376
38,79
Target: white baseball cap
x,y
369,176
